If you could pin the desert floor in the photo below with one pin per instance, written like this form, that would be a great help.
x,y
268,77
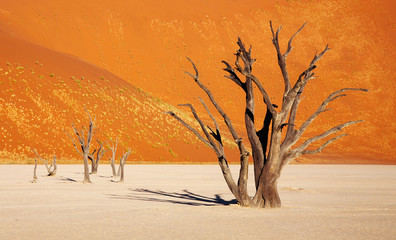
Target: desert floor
x,y
193,202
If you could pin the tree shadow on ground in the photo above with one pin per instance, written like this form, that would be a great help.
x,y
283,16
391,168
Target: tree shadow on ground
x,y
67,179
184,198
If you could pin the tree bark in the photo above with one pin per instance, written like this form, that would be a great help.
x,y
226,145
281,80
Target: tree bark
x,y
87,178
113,149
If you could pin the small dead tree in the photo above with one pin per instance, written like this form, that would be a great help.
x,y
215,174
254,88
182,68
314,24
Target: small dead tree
x,y
113,149
84,137
274,145
122,165
50,169
34,171
99,154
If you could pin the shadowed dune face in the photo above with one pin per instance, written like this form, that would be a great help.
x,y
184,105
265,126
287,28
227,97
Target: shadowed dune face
x,y
145,43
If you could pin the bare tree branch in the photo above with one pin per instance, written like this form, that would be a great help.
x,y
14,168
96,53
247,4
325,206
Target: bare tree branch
x,y
298,151
246,71
233,76
99,153
319,149
321,109
74,143
199,136
302,79
215,104
282,57
218,151
291,132
50,169
216,135
240,191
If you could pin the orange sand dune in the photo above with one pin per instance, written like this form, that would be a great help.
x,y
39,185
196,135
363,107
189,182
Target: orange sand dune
x,y
145,43
43,92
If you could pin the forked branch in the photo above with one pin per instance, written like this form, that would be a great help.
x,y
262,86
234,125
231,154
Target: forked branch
x,y
322,108
246,71
319,149
299,150
218,151
304,77
282,57
199,136
216,135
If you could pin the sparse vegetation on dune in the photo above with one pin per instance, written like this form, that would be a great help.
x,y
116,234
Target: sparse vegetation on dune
x,y
36,109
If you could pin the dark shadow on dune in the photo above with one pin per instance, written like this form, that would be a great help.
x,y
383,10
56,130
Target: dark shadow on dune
x,y
185,197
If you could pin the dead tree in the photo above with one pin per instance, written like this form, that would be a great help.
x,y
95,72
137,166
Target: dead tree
x,y
122,165
84,137
99,154
119,168
50,169
34,171
113,149
275,144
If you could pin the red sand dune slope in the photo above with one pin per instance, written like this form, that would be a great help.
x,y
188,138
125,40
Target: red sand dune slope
x,y
145,43
44,92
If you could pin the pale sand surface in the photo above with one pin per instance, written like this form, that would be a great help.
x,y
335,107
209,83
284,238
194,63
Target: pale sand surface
x,y
190,202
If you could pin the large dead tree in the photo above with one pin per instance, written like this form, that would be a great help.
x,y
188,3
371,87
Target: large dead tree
x,y
275,144
84,137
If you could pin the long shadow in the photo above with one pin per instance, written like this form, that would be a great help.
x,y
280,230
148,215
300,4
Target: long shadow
x,y
68,180
185,197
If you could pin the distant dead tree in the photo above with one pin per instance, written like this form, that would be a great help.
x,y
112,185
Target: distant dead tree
x,y
50,169
122,165
113,148
34,171
84,137
271,150
99,154
120,172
